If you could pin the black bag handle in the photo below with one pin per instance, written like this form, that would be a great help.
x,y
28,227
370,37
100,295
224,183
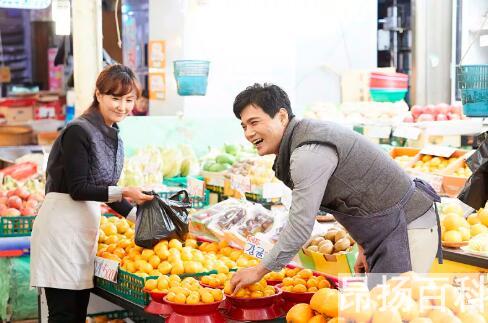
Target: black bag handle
x,y
175,196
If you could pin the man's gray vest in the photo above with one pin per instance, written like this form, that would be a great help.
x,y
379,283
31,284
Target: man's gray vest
x,y
106,152
366,179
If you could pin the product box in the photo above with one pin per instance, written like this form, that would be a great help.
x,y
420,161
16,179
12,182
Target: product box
x,y
342,263
452,184
17,110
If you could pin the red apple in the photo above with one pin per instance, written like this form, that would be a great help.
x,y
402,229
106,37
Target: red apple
x,y
10,212
429,109
417,110
10,193
408,118
456,108
453,116
28,211
3,207
425,117
32,204
441,108
3,200
22,193
14,202
441,117
37,197
3,194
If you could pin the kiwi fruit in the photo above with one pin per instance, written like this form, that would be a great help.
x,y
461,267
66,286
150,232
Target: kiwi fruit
x,y
342,244
339,235
326,247
330,235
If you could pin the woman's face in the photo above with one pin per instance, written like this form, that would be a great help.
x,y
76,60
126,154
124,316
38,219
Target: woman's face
x,y
115,108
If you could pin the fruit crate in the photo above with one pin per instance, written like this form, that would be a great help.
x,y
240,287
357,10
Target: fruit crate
x,y
472,81
197,202
16,226
178,181
128,286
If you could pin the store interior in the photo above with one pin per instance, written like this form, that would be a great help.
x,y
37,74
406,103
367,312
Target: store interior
x,y
411,76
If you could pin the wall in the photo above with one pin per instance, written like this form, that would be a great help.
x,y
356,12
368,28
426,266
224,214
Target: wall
x,y
300,46
472,18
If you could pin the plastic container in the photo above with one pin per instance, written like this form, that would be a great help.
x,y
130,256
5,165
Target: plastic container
x,y
191,77
197,313
477,109
157,305
383,80
387,95
472,80
255,309
16,226
128,286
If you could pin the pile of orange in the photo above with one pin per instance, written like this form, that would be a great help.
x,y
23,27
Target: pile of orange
x,y
323,307
256,290
216,280
304,282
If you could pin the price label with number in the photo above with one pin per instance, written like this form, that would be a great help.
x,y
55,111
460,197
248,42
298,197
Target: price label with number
x,y
254,247
240,183
440,151
106,269
195,187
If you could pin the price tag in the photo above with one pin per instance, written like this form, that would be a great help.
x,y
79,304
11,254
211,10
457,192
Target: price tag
x,y
254,247
378,131
407,132
272,190
106,269
440,151
240,183
195,187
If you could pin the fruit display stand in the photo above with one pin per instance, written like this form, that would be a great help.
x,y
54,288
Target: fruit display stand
x,y
460,261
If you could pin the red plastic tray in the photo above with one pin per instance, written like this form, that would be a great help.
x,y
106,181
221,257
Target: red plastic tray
x,y
194,310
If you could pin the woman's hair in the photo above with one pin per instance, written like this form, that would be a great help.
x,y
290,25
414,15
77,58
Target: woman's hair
x,y
117,80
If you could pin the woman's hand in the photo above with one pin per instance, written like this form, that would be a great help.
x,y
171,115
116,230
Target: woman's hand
x,y
247,276
136,195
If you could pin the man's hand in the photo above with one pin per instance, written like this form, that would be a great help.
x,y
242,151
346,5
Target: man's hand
x,y
247,276
361,266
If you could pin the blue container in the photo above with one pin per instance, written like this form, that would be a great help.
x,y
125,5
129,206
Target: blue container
x,y
191,77
476,109
472,81
387,95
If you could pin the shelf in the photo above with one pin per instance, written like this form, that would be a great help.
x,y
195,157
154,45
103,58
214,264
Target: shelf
x,y
127,305
461,256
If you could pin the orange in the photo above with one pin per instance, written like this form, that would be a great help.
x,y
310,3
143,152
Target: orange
x,y
180,298
257,294
151,284
109,228
318,319
387,315
171,296
217,294
305,274
313,290
163,283
111,247
154,261
323,284
297,280
174,243
299,313
112,239
471,317
287,281
299,288
326,301
312,282
119,252
108,255
147,253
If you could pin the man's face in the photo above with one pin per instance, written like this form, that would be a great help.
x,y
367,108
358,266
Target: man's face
x,y
263,131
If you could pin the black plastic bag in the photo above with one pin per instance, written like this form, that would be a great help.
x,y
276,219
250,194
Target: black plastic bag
x,y
161,219
475,191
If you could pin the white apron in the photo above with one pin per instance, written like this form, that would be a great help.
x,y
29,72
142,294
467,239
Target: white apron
x,y
64,243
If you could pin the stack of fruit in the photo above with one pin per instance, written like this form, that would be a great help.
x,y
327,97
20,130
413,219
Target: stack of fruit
x,y
256,290
216,280
463,171
219,160
258,169
19,202
116,242
303,281
186,291
432,164
440,112
335,241
458,230
404,161
409,297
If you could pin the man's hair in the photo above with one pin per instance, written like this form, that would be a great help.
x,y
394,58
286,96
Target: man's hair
x,y
271,98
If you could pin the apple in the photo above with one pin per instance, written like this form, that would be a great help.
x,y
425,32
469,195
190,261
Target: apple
x,y
453,116
441,117
14,202
3,194
10,212
37,197
442,108
408,118
32,204
22,193
27,211
429,109
3,200
10,193
416,111
425,117
3,207
458,109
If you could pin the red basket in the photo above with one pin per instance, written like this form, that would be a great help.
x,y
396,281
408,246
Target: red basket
x,y
254,302
194,309
156,296
388,81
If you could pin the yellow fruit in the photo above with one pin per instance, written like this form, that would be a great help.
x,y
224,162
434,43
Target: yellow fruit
x,y
155,272
323,284
147,253
477,229
337,320
193,299
131,267
326,301
465,233
453,236
421,320
299,288
448,296
452,208
113,239
163,283
305,274
108,255
471,317
129,234
151,284
191,243
299,313
387,315
483,216
217,294
178,268
180,298
154,261
164,267
312,289
357,307
257,294
441,316
122,226
146,268
109,228
288,281
174,243
171,296
207,297
473,219
317,319
453,221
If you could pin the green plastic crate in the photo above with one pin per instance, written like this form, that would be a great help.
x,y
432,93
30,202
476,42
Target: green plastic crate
x,y
16,226
178,181
128,286
197,202
387,95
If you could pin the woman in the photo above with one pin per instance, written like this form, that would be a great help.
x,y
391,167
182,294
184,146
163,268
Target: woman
x,y
83,170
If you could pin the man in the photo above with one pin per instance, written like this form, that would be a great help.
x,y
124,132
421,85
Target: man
x,y
330,167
